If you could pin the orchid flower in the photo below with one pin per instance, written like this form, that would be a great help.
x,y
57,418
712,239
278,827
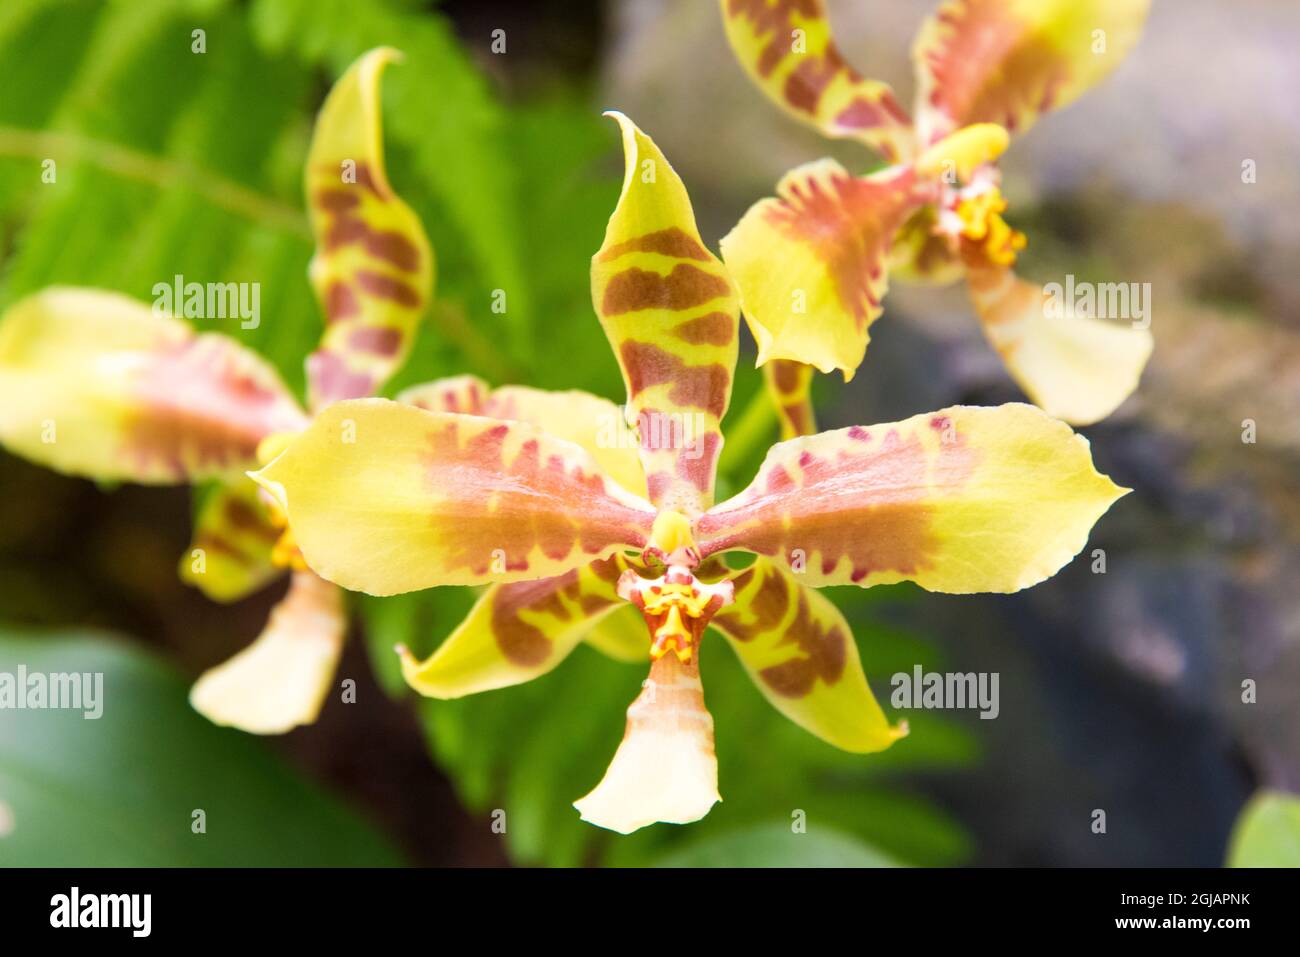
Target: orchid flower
x,y
385,498
812,264
96,384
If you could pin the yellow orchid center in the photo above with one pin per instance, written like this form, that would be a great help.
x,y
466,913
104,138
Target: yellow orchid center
x,y
671,539
985,234
971,201
677,606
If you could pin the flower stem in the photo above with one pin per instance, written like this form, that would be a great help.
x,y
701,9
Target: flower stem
x,y
155,170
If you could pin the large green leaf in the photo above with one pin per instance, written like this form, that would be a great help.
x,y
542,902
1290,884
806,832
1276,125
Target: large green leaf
x,y
121,790
1267,834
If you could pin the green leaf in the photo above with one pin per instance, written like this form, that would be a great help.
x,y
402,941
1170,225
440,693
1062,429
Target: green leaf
x,y
121,790
777,845
1267,834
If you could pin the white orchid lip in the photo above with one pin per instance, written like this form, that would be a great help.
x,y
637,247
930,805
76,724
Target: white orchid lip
x,y
665,769
279,681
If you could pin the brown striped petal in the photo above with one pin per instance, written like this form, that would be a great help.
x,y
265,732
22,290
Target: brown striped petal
x,y
518,631
790,386
230,555
963,500
580,417
671,315
465,394
386,498
585,419
787,49
812,262
799,650
373,268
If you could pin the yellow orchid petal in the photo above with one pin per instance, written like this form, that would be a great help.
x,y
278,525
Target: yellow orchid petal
x,y
1010,61
373,268
1077,368
964,151
584,419
962,500
280,681
790,386
811,264
386,498
93,383
230,555
466,394
800,652
787,49
517,632
671,316
588,420
665,769
620,635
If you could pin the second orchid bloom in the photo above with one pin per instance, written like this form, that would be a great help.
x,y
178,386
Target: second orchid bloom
x,y
525,492
97,384
812,264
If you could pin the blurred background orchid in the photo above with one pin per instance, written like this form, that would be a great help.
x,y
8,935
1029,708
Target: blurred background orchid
x,y
813,264
140,397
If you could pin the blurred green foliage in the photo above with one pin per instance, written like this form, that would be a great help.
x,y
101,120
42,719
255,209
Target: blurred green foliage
x,y
172,162
121,790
